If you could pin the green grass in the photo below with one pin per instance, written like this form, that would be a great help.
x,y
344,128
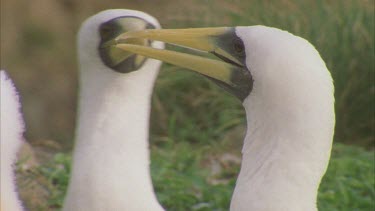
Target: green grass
x,y
349,182
183,179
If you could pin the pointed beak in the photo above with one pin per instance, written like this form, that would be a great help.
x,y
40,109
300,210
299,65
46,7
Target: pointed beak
x,y
230,71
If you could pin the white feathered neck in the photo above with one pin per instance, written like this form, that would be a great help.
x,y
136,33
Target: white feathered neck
x,y
111,153
290,117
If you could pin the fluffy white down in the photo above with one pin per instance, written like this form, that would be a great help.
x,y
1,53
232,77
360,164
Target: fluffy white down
x,y
12,128
290,117
111,154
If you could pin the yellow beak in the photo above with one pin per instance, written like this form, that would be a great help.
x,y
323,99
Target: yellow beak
x,y
230,73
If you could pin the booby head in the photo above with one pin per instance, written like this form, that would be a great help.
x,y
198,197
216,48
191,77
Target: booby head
x,y
107,72
99,31
287,92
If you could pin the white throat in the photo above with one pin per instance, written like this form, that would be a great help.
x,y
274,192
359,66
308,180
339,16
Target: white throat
x,y
290,117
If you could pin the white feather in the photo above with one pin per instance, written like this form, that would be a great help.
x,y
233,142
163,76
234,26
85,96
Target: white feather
x,y
111,154
290,123
12,128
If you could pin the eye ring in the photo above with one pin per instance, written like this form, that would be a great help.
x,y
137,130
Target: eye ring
x,y
238,46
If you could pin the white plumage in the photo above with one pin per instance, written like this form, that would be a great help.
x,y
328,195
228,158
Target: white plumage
x,y
111,153
12,128
290,123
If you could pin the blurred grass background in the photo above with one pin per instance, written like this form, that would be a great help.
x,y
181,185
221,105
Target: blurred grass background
x,y
195,124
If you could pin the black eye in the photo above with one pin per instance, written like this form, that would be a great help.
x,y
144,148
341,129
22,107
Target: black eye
x,y
238,46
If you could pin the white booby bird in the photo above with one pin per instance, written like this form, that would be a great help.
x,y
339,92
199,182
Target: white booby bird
x,y
12,128
110,169
111,154
287,93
